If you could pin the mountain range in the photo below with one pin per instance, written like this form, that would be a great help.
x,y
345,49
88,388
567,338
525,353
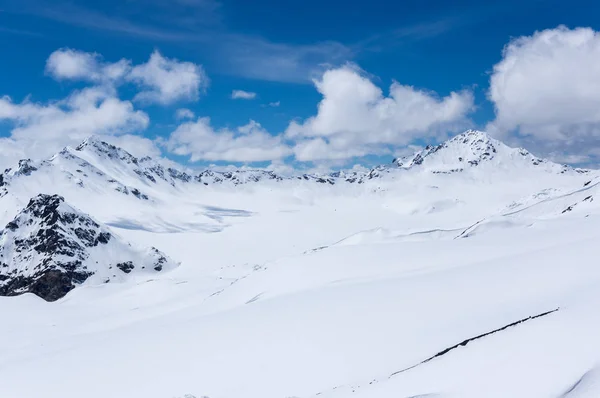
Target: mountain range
x,y
100,165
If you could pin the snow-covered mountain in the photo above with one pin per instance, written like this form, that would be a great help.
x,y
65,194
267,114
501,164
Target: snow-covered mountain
x,y
51,247
100,167
475,148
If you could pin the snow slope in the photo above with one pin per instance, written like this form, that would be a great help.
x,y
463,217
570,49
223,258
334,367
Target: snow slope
x,y
407,281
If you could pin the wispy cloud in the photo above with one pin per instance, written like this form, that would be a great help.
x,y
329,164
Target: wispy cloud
x,y
4,29
435,26
184,113
232,53
199,24
241,94
409,33
86,18
257,58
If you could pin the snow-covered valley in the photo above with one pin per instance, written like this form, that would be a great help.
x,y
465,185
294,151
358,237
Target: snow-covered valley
x,y
466,270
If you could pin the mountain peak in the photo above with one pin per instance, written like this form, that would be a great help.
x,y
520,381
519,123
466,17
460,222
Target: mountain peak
x,y
103,148
469,148
50,247
474,148
477,141
471,135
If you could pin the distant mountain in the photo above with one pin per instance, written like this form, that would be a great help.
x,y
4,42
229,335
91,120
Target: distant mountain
x,y
50,248
475,148
66,168
108,170
121,164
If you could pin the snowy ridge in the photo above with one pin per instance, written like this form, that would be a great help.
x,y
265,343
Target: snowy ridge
x,y
51,247
237,177
107,168
69,169
120,163
474,148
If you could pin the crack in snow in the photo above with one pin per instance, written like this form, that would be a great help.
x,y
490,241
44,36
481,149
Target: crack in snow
x,y
467,341
448,349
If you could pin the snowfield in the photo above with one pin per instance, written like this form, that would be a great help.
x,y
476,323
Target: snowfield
x,y
433,277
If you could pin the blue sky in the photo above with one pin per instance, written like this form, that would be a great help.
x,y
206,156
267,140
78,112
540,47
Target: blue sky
x,y
276,48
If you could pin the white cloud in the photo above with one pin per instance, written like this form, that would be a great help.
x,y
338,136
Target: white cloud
x,y
89,111
167,80
39,130
184,113
11,152
241,94
256,58
320,149
136,145
69,64
271,104
354,117
281,168
546,88
72,64
162,80
249,143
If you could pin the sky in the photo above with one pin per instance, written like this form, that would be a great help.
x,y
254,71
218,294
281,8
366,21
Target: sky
x,y
302,84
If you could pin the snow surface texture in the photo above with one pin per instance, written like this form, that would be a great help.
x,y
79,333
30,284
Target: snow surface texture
x,y
466,270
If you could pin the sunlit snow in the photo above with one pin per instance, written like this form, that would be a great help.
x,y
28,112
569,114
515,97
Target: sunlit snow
x,y
323,286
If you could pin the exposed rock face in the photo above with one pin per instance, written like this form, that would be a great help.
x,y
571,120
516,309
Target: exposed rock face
x,y
50,247
208,177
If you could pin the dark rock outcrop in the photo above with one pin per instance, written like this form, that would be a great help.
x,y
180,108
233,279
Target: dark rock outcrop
x,y
50,247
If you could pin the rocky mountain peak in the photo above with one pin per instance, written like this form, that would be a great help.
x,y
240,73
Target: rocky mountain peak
x,y
50,247
102,148
469,148
474,148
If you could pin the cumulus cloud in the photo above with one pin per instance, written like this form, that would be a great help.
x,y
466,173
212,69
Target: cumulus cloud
x,y
248,143
184,113
241,94
274,104
69,64
546,89
162,80
319,149
165,80
41,129
11,151
89,111
136,145
355,118
38,130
